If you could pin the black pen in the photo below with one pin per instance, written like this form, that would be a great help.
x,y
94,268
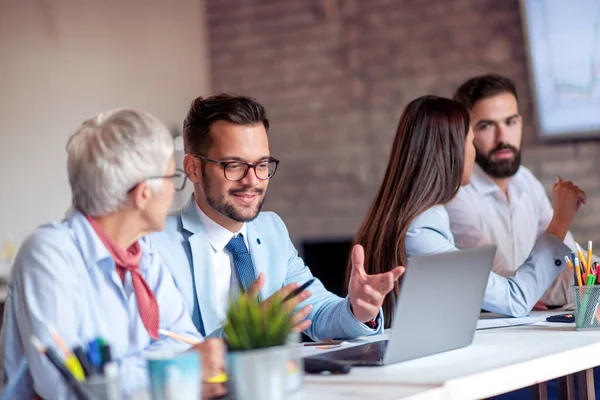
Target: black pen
x,y
80,392
106,354
88,369
299,290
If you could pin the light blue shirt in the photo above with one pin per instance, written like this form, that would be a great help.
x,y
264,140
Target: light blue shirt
x,y
185,247
64,276
515,296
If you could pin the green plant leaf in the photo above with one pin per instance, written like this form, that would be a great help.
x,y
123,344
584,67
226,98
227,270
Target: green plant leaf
x,y
252,325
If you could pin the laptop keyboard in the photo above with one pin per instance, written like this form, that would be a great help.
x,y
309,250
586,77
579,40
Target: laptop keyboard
x,y
364,354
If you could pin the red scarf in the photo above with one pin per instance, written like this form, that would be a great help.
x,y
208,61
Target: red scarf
x,y
129,260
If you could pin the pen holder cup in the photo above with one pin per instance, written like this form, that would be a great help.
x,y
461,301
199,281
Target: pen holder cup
x,y
99,388
586,300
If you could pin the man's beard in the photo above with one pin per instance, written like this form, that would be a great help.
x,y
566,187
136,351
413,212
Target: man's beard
x,y
218,203
499,168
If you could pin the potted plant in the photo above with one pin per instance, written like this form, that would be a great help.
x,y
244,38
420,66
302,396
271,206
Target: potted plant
x,y
256,334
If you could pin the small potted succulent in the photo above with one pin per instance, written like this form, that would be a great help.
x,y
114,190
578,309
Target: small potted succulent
x,y
256,334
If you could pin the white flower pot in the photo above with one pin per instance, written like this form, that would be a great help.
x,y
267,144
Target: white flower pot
x,y
259,374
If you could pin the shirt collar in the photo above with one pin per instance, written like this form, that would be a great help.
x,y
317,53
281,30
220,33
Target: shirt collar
x,y
90,244
218,236
486,185
482,182
88,241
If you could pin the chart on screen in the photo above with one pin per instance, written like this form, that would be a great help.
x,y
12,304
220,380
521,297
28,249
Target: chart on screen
x,y
564,54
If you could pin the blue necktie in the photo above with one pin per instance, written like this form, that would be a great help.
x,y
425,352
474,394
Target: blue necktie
x,y
242,261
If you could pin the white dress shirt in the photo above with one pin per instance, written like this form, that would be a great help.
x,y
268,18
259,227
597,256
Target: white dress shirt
x,y
226,279
481,214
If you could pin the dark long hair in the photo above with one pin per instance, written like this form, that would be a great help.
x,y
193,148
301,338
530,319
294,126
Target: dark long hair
x,y
425,169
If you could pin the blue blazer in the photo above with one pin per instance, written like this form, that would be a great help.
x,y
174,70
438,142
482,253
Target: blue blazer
x,y
185,250
515,296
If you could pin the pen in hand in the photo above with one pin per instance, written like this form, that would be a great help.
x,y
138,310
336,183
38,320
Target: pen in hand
x,y
299,290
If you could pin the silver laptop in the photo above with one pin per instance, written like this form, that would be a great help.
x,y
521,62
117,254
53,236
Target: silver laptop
x,y
437,310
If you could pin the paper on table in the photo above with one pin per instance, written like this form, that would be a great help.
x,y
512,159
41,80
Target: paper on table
x,y
306,351
490,323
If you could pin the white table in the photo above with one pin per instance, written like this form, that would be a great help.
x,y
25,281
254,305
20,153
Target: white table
x,y
499,361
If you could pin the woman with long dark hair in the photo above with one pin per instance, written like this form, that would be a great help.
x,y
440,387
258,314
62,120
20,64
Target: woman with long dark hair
x,y
431,157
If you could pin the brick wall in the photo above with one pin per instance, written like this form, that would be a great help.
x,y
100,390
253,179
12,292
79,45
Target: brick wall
x,y
335,76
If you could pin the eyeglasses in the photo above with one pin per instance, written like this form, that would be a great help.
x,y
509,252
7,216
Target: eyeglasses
x,y
237,170
178,178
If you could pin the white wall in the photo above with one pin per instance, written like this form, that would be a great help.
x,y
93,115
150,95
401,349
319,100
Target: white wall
x,y
62,61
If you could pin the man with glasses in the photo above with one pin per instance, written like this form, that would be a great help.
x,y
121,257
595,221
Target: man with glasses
x,y
220,243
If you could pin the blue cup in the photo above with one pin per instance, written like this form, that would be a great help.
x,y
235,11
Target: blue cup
x,y
175,376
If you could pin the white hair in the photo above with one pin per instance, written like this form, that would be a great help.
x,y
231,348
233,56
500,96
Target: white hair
x,y
111,153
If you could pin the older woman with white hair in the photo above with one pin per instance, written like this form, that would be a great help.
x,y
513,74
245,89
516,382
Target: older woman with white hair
x,y
95,274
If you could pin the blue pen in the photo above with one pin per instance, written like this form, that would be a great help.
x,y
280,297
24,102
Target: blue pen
x,y
95,355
